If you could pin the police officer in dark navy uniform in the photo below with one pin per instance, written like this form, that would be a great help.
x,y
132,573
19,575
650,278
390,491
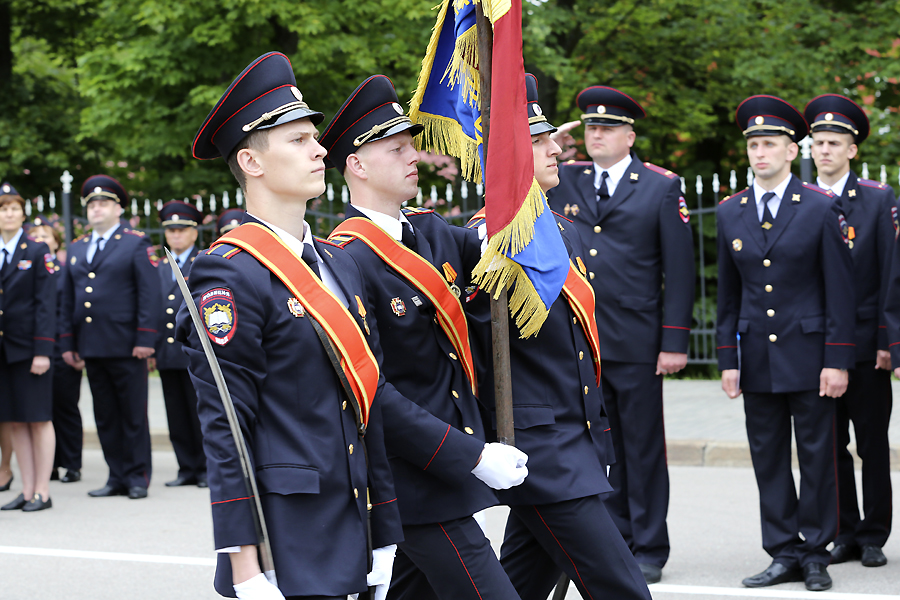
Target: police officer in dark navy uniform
x,y
301,425
786,301
228,220
558,521
179,221
415,266
838,126
634,222
109,318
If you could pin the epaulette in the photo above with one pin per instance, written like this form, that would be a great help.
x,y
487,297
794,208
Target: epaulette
x,y
578,162
816,188
136,232
224,250
660,170
727,198
410,211
872,183
562,217
340,240
325,241
81,237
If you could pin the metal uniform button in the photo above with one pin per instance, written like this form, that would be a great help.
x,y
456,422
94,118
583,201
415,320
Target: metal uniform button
x,y
344,405
355,493
585,390
170,311
575,320
91,275
589,424
87,304
768,288
592,274
350,449
171,340
453,356
581,355
766,262
89,289
1,312
597,229
170,325
773,338
455,395
469,430
770,312
88,319
171,296
593,252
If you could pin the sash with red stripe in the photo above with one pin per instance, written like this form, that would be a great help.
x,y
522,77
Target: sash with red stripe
x,y
580,295
424,277
357,360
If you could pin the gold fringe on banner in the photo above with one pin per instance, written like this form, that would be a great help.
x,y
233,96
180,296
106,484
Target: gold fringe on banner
x,y
495,271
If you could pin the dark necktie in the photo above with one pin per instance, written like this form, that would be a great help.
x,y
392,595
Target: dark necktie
x,y
310,258
100,246
768,219
603,191
6,255
409,237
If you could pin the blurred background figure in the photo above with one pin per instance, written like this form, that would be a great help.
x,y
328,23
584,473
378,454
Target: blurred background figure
x,y
66,380
27,335
228,220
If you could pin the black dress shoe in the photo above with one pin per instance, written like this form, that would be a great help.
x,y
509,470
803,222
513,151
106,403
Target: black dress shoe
x,y
816,577
651,573
54,475
182,480
872,556
135,492
202,481
5,487
841,553
16,504
37,503
71,476
773,575
108,490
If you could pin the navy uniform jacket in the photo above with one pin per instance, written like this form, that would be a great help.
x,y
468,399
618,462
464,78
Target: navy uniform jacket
x,y
28,303
298,428
112,305
869,208
641,239
431,456
558,413
791,298
168,350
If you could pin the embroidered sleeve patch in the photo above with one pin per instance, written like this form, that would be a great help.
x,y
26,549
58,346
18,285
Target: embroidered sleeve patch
x,y
845,228
48,263
151,254
219,314
683,210
895,220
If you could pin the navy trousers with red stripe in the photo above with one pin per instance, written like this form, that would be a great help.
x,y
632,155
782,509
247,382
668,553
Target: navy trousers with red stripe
x,y
785,516
576,536
452,560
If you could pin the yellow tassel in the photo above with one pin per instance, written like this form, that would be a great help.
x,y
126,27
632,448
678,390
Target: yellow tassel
x,y
513,238
463,68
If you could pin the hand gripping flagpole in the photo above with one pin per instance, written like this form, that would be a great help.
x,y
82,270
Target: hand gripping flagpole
x,y
259,520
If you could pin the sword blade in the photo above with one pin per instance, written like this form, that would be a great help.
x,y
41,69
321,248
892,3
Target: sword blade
x,y
265,548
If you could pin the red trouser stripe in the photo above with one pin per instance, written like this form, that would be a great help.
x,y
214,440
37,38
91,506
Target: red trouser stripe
x,y
461,561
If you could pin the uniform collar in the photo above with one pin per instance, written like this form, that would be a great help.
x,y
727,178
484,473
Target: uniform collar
x,y
392,225
616,173
837,188
105,236
11,246
779,189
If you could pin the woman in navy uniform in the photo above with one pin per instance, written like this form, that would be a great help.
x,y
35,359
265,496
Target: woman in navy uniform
x,y
299,425
66,380
27,335
786,299
558,519
435,435
838,125
109,318
179,221
633,220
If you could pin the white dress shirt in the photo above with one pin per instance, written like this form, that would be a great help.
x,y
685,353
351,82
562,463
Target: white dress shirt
x,y
774,203
838,187
10,248
616,173
392,225
92,249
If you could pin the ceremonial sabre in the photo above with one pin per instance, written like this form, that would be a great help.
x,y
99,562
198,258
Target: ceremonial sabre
x,y
259,520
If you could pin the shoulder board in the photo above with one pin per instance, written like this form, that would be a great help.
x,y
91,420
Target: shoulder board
x,y
562,217
474,222
136,232
578,162
341,240
409,211
83,236
661,171
871,183
328,242
223,250
816,188
727,198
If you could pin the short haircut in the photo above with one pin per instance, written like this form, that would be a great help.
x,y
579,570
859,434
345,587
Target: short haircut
x,y
9,198
256,140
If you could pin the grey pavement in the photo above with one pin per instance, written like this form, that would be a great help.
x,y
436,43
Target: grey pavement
x,y
161,547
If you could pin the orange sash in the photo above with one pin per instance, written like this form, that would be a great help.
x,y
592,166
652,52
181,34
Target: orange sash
x,y
424,277
357,360
580,295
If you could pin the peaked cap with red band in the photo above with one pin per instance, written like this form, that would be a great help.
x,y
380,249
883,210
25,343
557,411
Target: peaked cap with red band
x,y
832,112
372,112
264,95
768,115
228,220
537,122
608,106
103,186
177,214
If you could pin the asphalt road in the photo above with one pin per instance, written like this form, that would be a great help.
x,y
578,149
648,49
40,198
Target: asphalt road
x,y
161,547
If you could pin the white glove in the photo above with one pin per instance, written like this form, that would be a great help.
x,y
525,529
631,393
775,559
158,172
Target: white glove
x,y
257,588
482,235
501,466
382,568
